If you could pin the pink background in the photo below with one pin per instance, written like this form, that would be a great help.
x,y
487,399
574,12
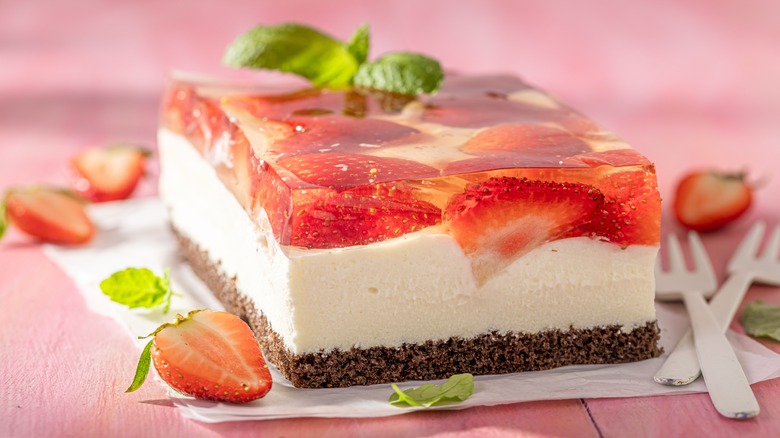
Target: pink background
x,y
688,83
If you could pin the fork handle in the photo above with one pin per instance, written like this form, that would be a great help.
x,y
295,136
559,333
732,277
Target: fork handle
x,y
682,365
726,382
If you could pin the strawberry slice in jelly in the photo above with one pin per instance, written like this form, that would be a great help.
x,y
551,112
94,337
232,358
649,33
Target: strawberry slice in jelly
x,y
340,171
500,219
329,219
525,139
338,133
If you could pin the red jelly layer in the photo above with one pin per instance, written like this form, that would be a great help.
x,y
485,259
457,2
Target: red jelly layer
x,y
334,169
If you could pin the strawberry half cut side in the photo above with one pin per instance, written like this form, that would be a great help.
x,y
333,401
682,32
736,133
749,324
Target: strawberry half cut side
x,y
108,173
208,355
709,200
51,214
501,219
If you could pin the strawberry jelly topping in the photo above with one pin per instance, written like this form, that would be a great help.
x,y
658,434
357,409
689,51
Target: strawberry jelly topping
x,y
341,168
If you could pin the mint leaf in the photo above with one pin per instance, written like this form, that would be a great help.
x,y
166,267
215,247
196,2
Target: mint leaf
x,y
401,72
142,369
457,388
138,288
761,320
359,43
294,48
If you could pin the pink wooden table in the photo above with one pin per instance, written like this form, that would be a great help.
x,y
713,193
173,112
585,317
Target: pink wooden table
x,y
694,85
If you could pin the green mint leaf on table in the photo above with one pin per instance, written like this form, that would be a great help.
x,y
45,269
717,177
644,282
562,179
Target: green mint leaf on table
x,y
359,43
401,72
135,287
294,48
142,369
459,387
761,320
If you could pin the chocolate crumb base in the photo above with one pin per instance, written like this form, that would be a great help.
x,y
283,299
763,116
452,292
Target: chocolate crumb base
x,y
491,353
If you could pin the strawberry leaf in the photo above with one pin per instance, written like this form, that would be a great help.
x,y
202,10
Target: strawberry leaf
x,y
135,288
459,387
142,369
761,320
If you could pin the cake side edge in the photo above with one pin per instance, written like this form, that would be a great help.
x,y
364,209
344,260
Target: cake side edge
x,y
488,353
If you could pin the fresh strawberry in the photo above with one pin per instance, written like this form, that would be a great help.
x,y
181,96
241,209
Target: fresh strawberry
x,y
708,200
526,139
209,355
109,173
50,214
501,219
341,171
359,217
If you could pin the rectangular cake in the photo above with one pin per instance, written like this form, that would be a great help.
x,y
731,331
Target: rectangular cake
x,y
369,237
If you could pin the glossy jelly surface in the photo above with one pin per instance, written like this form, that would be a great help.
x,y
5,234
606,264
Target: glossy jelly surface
x,y
499,165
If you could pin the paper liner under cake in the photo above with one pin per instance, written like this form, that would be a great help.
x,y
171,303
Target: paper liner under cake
x,y
489,353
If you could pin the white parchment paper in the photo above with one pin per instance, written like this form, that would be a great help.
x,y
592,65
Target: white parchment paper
x,y
135,233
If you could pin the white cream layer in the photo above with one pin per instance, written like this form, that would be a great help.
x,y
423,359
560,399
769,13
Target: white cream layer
x,y
405,290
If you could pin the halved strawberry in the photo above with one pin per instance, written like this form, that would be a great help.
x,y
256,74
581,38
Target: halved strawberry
x,y
501,219
209,355
329,219
108,173
708,200
527,140
341,171
51,214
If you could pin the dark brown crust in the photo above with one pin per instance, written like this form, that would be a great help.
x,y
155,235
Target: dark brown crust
x,y
492,353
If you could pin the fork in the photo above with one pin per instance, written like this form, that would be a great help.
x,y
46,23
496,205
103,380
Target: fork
x,y
726,381
745,267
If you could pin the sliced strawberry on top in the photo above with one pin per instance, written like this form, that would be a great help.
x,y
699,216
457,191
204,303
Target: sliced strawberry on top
x,y
341,171
52,215
531,139
209,355
501,219
281,106
338,133
108,173
708,200
483,111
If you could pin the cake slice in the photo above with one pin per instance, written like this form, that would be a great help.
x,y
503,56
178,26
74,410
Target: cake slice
x,y
370,238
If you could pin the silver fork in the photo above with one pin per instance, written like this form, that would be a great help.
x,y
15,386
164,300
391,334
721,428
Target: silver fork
x,y
745,267
726,381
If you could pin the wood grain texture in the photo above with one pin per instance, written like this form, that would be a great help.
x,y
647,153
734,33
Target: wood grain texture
x,y
690,84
